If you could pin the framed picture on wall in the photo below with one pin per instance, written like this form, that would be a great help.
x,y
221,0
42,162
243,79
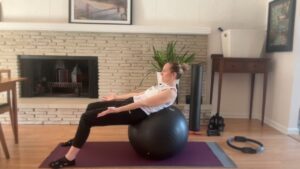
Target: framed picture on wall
x,y
280,30
100,11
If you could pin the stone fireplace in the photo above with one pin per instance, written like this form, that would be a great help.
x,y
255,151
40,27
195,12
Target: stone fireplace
x,y
123,59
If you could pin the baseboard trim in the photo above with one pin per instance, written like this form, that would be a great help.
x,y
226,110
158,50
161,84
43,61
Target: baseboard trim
x,y
293,131
235,116
277,126
281,128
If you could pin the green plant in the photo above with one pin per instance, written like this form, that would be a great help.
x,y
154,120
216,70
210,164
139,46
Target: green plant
x,y
171,55
161,57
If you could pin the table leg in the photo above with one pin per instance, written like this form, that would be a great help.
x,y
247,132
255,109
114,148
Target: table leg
x,y
251,94
15,111
264,97
212,84
11,111
221,66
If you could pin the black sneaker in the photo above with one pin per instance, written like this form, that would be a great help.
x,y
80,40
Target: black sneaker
x,y
62,162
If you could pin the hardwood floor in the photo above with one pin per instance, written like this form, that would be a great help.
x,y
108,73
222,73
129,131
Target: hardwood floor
x,y
37,141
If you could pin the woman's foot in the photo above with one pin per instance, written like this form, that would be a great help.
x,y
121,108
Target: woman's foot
x,y
62,162
68,143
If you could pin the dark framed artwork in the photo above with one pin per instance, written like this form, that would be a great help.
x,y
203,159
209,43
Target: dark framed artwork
x,y
280,30
100,11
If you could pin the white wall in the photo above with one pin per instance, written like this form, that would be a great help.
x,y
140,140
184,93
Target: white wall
x,y
294,119
35,10
280,89
228,14
212,13
284,103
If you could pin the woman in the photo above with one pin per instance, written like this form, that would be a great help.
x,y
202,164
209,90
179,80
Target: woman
x,y
112,111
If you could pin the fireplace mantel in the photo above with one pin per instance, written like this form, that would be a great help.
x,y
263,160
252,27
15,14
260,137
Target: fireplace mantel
x,y
151,29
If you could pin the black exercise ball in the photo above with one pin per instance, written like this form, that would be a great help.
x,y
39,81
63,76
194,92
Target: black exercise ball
x,y
161,135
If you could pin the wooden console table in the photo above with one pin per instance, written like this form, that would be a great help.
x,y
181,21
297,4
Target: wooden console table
x,y
240,65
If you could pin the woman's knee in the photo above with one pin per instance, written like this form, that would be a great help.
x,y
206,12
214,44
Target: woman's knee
x,y
85,118
90,106
97,105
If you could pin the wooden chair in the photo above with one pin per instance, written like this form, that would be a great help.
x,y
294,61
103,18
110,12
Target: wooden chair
x,y
6,107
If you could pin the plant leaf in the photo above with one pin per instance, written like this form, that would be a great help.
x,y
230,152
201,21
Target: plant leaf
x,y
161,57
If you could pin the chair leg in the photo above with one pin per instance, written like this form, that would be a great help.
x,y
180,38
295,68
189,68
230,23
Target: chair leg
x,y
2,140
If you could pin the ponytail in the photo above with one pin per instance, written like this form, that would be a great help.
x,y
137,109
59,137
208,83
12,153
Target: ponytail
x,y
179,69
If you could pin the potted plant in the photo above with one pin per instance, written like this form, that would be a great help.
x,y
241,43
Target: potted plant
x,y
170,54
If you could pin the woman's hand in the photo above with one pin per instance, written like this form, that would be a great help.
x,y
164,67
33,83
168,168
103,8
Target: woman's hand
x,y
110,97
108,111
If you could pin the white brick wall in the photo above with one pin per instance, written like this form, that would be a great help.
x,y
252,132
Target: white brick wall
x,y
123,59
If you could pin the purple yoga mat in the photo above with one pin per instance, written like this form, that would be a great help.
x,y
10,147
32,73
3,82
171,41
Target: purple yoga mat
x,y
100,154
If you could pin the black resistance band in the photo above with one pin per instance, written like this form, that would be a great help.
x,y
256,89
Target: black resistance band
x,y
249,150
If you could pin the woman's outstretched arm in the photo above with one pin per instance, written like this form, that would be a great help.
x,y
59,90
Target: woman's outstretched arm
x,y
158,99
113,96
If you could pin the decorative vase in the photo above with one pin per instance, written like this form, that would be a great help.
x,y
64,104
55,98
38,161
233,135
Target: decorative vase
x,y
76,74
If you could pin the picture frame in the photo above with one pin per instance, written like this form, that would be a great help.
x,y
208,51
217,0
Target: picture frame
x,y
280,31
100,11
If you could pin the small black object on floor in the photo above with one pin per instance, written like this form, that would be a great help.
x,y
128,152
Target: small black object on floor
x,y
216,125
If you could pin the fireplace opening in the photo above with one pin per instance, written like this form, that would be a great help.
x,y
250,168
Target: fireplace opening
x,y
59,76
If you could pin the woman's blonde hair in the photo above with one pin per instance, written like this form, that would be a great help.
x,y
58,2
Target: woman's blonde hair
x,y
179,69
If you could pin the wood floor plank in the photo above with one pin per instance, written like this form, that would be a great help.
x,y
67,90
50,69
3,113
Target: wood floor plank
x,y
37,141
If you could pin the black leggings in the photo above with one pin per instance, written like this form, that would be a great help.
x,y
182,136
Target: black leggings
x,y
90,119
